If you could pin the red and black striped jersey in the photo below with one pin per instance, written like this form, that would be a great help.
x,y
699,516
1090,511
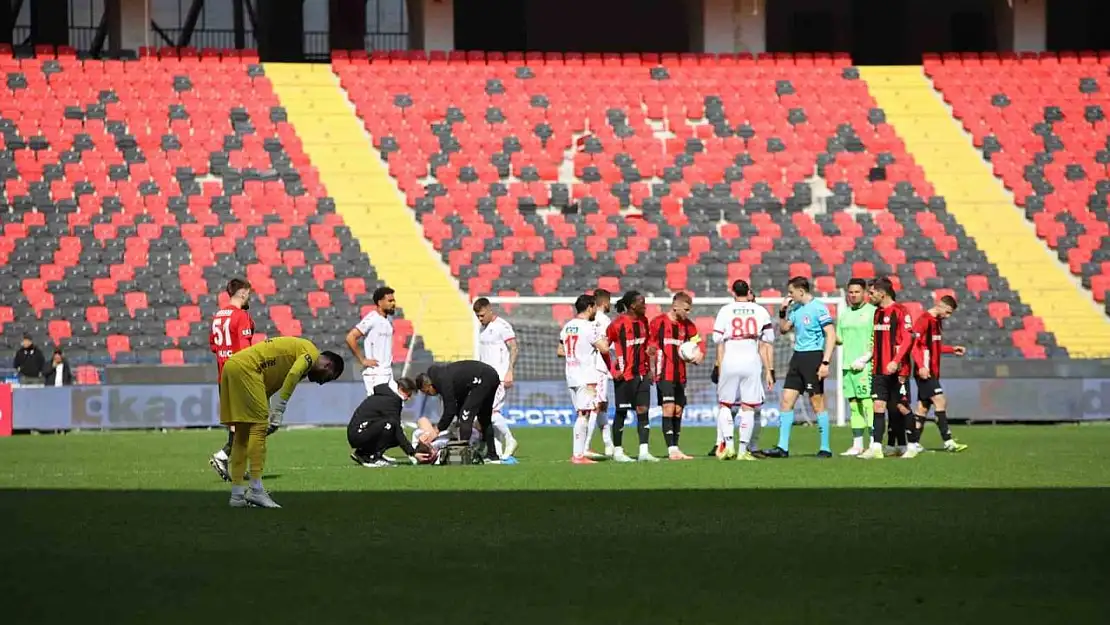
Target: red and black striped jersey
x,y
928,344
893,338
628,336
665,335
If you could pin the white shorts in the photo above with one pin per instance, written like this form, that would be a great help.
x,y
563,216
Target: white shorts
x,y
373,379
499,399
584,398
740,386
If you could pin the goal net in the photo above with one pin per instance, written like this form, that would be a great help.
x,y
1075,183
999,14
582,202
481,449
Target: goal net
x,y
539,396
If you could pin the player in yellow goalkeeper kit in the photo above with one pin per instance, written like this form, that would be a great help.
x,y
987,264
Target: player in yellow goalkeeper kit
x,y
249,379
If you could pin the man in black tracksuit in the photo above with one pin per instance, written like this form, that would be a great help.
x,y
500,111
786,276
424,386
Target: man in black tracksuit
x,y
466,388
376,426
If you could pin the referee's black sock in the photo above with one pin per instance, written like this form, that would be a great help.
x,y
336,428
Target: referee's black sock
x,y
942,425
668,431
642,425
618,426
227,447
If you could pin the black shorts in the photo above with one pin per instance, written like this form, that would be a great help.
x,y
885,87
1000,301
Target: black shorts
x,y
670,393
802,374
928,389
632,393
889,389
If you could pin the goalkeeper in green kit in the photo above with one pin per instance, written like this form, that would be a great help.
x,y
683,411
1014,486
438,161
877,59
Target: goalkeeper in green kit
x,y
855,333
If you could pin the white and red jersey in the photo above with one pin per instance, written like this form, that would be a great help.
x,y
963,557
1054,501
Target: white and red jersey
x,y
578,337
230,332
377,343
601,320
493,344
742,326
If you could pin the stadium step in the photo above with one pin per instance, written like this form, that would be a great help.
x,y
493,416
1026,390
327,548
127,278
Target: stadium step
x,y
369,203
979,202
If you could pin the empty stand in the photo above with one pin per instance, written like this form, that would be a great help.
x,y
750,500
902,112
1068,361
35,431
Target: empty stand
x,y
554,174
1040,122
132,191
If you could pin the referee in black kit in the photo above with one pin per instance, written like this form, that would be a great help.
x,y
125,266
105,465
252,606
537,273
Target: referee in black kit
x,y
466,389
376,427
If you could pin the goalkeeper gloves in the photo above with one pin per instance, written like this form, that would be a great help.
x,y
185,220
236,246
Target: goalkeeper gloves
x,y
277,412
716,375
859,363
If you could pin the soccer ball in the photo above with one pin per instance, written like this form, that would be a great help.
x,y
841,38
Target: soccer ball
x,y
688,351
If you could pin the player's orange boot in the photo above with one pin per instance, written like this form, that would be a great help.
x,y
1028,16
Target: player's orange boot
x,y
581,460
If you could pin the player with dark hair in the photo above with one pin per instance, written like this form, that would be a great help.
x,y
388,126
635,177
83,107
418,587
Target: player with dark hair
x,y
890,368
744,370
498,348
666,333
466,389
375,330
855,331
583,348
375,427
603,304
250,378
628,336
927,349
814,340
232,331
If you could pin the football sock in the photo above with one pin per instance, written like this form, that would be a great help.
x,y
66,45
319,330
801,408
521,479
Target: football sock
x,y
501,427
227,446
619,417
590,427
677,430
724,425
868,412
786,423
239,490
857,421
879,429
747,427
668,431
606,431
823,429
757,427
898,426
643,427
942,425
256,449
256,485
581,425
644,450
239,456
918,428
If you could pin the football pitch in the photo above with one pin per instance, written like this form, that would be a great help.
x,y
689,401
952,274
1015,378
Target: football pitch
x,y
135,528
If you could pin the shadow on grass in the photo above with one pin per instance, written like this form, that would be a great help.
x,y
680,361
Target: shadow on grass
x,y
689,556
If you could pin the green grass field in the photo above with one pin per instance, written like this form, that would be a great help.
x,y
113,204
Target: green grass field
x,y
134,528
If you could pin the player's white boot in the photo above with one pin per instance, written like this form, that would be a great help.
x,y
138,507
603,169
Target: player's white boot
x,y
646,457
238,501
874,452
260,498
620,456
219,462
852,451
593,455
912,450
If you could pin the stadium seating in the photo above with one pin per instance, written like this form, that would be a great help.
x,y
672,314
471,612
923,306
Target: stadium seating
x,y
132,191
1040,119
549,174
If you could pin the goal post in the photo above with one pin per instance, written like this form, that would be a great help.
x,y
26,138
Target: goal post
x,y
539,395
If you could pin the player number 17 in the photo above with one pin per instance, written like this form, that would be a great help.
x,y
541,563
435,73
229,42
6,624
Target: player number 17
x,y
571,344
221,332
